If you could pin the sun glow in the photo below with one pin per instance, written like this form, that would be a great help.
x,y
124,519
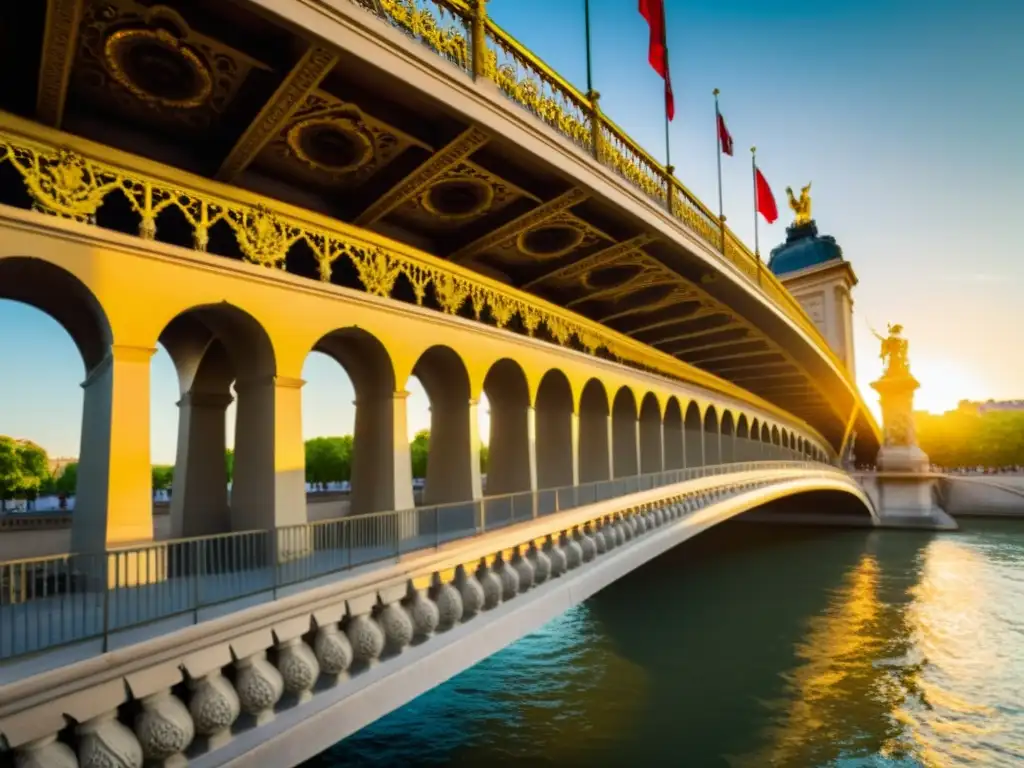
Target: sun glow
x,y
944,384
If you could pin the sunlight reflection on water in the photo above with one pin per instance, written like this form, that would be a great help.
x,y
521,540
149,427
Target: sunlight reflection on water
x,y
750,647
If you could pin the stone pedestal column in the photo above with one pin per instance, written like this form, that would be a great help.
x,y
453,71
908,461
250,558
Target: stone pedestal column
x,y
903,488
381,462
114,498
199,496
269,485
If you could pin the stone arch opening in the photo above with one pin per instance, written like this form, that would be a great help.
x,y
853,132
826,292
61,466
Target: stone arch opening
x,y
651,438
45,289
625,443
508,395
595,433
786,454
712,437
554,418
728,441
743,452
693,436
675,457
776,443
453,455
222,355
767,449
378,471
756,446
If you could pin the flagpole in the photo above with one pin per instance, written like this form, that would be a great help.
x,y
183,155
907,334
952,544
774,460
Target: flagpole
x,y
753,176
718,134
668,80
586,24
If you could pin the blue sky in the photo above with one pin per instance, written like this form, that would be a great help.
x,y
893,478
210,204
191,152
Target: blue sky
x,y
907,116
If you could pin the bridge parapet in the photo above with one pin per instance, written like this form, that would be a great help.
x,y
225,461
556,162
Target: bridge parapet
x,y
216,692
111,599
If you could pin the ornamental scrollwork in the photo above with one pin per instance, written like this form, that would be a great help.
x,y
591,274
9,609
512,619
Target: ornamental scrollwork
x,y
443,36
61,182
64,182
262,237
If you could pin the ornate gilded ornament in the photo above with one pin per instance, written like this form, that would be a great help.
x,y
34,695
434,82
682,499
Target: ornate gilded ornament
x,y
63,183
549,241
333,144
262,237
801,206
446,33
157,67
457,199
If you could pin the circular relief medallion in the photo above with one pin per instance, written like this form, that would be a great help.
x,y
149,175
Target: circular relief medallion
x,y
549,242
156,67
458,198
331,144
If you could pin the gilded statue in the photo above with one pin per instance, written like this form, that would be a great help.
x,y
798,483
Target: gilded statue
x,y
801,206
894,352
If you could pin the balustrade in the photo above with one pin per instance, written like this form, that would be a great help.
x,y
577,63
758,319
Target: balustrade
x,y
213,698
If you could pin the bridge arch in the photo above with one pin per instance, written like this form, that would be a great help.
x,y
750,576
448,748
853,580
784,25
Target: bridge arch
x,y
756,448
625,433
554,434
712,437
673,435
651,435
222,354
776,442
508,395
693,436
743,452
453,457
65,298
375,463
727,431
595,433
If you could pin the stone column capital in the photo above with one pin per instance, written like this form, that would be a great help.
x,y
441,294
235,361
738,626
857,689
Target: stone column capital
x,y
284,382
120,353
213,400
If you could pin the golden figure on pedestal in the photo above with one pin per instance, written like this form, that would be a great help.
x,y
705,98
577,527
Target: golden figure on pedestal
x,y
894,352
801,206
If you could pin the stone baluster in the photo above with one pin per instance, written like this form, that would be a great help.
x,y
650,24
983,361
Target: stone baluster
x,y
524,568
492,586
423,611
541,563
588,547
508,576
298,666
470,590
259,686
573,551
164,728
46,752
557,557
448,599
105,742
214,707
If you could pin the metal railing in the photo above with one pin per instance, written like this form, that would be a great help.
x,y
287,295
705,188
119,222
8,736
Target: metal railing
x,y
461,32
51,601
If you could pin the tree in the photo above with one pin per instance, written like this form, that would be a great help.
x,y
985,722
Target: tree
x,y
67,481
163,477
968,438
329,459
24,468
419,448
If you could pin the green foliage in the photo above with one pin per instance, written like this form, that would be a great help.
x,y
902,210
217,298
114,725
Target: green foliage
x,y
329,459
965,438
67,481
229,463
163,477
419,448
24,469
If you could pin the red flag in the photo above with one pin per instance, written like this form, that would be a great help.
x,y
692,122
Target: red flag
x,y
657,52
765,199
724,136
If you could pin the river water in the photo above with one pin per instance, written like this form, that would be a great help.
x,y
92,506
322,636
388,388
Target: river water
x,y
752,645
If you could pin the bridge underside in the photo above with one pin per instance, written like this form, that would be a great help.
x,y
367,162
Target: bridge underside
x,y
343,655
231,92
